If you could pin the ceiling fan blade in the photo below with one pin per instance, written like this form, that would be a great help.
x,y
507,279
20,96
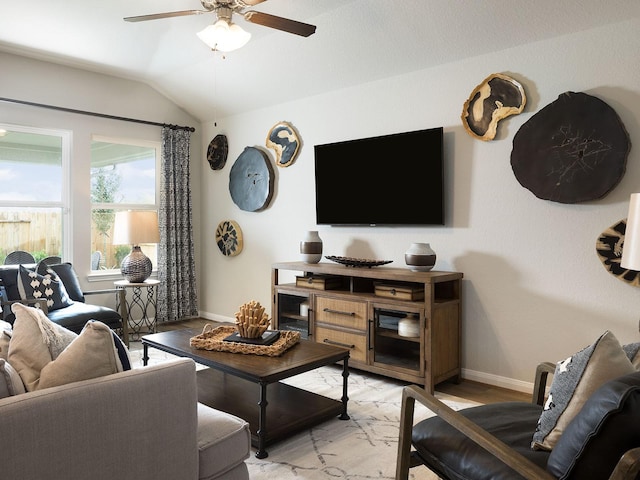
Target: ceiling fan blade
x,y
156,16
279,23
251,3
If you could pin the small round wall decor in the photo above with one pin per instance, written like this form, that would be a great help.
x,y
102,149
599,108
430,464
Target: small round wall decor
x,y
229,238
497,97
251,180
609,248
217,152
573,150
284,140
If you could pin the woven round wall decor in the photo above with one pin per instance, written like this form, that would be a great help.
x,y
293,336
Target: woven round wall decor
x,y
609,248
229,238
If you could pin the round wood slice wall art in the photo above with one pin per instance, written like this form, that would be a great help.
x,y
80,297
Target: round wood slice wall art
x,y
229,238
573,150
251,180
217,152
284,140
609,248
497,97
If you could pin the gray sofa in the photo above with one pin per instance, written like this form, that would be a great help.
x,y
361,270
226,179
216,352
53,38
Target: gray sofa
x,y
141,424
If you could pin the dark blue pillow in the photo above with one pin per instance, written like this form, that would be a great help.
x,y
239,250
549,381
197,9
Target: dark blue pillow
x,y
49,286
604,429
68,276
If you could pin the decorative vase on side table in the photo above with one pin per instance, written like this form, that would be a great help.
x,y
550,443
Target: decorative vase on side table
x,y
311,247
420,257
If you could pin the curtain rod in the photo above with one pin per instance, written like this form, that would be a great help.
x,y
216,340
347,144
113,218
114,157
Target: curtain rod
x,y
94,114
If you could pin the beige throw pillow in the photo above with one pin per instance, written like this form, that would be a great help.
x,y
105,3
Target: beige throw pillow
x,y
35,342
92,354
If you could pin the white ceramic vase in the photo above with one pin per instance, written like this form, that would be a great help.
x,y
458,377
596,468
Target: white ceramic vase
x,y
420,257
311,247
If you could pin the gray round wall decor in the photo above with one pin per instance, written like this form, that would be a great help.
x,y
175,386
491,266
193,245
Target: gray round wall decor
x,y
251,180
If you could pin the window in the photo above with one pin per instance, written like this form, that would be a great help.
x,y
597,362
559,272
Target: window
x,y
34,198
123,177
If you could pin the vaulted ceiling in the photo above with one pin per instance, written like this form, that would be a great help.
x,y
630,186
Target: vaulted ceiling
x,y
356,41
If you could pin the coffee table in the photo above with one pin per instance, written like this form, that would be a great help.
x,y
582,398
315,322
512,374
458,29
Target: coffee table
x,y
237,383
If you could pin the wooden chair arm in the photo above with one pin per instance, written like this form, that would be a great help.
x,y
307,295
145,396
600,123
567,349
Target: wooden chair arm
x,y
540,386
628,466
500,450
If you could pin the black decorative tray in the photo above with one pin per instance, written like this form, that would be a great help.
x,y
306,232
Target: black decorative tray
x,y
357,262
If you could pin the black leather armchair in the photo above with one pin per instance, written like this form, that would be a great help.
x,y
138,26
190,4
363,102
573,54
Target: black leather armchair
x,y
72,317
493,441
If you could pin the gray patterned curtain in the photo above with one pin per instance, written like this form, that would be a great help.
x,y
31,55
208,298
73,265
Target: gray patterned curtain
x,y
177,296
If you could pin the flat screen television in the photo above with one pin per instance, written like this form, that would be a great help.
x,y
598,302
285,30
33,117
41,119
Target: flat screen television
x,y
387,180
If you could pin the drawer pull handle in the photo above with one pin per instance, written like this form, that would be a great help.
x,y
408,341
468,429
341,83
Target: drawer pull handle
x,y
331,342
338,312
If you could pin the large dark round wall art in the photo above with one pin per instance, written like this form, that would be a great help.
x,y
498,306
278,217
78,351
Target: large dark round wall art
x,y
573,150
251,180
609,248
497,97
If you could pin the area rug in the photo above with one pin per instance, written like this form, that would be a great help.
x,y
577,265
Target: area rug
x,y
361,448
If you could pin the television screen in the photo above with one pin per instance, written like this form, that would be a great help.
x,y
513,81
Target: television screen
x,y
388,180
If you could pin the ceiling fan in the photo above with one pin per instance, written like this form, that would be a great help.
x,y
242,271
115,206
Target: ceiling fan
x,y
224,35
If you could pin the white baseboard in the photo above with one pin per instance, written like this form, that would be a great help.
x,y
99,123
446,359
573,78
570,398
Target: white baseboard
x,y
497,381
480,377
215,317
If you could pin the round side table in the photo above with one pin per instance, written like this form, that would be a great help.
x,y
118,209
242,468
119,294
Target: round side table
x,y
141,309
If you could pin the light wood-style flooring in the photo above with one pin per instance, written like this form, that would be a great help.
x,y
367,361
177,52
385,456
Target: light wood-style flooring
x,y
474,391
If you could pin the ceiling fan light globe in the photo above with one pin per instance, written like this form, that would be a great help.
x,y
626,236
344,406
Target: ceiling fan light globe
x,y
224,36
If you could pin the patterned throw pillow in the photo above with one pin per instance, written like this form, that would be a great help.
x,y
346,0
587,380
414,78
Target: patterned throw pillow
x,y
49,286
574,380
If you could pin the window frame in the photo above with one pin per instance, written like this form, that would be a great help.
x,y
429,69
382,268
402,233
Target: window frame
x,y
157,146
66,139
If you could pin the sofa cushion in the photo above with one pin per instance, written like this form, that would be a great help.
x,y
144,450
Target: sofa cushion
x,y
68,276
224,442
92,354
574,380
10,381
49,286
603,430
35,342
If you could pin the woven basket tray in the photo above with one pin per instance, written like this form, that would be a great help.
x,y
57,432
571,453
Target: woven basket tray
x,y
213,339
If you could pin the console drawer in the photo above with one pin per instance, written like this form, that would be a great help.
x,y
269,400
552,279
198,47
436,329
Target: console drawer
x,y
357,344
343,313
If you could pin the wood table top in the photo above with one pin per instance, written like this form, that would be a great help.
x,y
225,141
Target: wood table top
x,y
302,357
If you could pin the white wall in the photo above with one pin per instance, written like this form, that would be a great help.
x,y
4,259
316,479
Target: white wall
x,y
534,287
41,82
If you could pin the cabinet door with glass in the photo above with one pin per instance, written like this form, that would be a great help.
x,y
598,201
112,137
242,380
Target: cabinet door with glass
x,y
293,312
397,337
